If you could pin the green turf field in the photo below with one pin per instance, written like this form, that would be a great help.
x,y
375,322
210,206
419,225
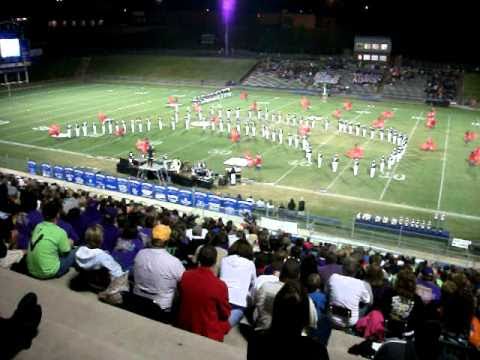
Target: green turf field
x,y
429,182
471,86
171,67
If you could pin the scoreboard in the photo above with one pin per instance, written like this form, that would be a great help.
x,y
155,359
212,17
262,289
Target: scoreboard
x,y
14,59
372,48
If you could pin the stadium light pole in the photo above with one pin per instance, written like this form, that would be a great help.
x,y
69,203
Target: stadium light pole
x,y
228,7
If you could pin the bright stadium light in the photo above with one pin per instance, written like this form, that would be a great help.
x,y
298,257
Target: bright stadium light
x,y
228,8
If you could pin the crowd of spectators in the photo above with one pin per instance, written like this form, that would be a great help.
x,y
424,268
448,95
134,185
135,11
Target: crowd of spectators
x,y
442,85
206,276
362,77
301,70
326,77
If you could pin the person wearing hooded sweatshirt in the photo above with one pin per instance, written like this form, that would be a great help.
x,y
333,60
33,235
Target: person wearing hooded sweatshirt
x,y
92,260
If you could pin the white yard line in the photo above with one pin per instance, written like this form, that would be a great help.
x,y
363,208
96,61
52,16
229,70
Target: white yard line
x,y
349,164
289,171
117,99
396,165
188,145
34,147
212,155
120,100
42,106
151,108
440,192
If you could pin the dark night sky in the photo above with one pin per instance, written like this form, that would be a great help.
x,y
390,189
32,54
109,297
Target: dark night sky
x,y
439,24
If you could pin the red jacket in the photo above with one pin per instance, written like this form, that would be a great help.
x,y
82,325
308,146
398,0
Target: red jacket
x,y
204,307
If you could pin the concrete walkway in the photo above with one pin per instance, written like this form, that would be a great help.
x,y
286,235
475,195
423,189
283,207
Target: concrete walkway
x,y
78,326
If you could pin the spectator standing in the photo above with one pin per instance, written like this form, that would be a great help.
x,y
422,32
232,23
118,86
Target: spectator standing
x,y
291,205
301,206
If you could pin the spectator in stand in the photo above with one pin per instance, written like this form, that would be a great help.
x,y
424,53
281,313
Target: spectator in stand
x,y
204,307
77,221
279,256
216,241
331,267
323,329
111,233
149,222
50,251
284,340
196,236
238,272
457,304
98,270
263,257
404,308
92,215
315,292
265,295
308,266
301,206
127,247
346,294
291,205
426,288
65,225
157,273
380,287
27,219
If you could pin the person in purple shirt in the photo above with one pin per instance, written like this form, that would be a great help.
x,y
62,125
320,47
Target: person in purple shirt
x,y
111,232
28,218
77,221
71,233
127,247
428,291
92,215
330,268
145,231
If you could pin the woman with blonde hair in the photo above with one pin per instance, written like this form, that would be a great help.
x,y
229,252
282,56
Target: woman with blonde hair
x,y
98,270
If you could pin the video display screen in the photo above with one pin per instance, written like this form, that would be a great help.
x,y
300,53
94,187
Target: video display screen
x,y
9,48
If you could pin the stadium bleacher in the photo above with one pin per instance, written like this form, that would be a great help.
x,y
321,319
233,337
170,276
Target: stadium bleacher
x,y
344,76
436,283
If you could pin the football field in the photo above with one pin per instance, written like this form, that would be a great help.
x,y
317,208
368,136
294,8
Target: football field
x,y
421,184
